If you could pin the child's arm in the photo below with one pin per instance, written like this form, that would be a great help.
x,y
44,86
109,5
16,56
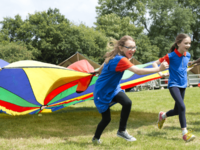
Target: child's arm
x,y
142,71
155,65
190,67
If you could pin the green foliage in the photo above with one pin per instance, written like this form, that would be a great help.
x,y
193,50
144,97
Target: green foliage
x,y
52,38
12,52
4,39
169,18
145,52
11,26
87,41
135,9
48,32
163,20
114,26
194,7
161,42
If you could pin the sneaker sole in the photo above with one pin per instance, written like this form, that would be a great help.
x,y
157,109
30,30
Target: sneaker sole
x,y
96,143
130,140
191,139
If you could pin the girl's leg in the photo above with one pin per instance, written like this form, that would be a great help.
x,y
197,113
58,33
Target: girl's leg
x,y
126,103
103,123
172,112
126,108
179,109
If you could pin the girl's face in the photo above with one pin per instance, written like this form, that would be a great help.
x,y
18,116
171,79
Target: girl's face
x,y
184,45
129,48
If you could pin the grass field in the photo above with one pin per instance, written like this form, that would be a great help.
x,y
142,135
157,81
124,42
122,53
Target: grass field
x,y
72,128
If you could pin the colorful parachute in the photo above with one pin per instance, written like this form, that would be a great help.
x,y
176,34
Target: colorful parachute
x,y
31,87
130,79
27,87
3,63
82,66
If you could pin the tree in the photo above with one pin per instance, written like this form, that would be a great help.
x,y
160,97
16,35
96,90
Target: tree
x,y
162,42
162,20
10,27
87,41
169,18
135,9
4,39
11,34
54,38
115,27
146,52
194,6
12,52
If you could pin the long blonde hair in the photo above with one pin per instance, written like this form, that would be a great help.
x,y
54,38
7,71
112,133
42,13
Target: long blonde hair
x,y
178,40
116,50
110,55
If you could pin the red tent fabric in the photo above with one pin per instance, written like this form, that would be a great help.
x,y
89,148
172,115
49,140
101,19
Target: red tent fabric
x,y
82,65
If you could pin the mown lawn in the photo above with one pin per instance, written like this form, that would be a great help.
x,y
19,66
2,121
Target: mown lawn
x,y
73,127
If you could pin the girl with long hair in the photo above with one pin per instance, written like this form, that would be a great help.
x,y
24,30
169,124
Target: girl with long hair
x,y
177,58
107,87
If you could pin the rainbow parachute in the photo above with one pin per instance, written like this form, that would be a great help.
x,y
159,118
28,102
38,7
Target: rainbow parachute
x,y
32,87
27,87
3,63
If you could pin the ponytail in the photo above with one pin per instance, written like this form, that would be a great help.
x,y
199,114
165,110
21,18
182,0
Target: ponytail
x,y
174,46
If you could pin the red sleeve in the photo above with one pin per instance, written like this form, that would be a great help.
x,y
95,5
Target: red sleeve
x,y
166,58
123,64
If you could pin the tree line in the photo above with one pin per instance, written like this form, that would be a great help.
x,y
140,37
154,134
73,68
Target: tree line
x,y
50,37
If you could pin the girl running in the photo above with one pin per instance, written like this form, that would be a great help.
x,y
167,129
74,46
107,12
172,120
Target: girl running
x,y
177,58
107,87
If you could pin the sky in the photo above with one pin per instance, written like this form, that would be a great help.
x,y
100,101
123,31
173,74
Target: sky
x,y
77,11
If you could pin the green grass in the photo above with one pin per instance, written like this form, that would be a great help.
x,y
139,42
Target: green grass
x,y
73,127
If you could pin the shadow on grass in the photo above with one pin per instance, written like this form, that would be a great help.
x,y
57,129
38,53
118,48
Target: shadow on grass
x,y
67,123
193,113
172,128
103,146
194,122
194,128
162,135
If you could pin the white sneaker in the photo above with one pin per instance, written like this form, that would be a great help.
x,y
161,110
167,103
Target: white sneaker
x,y
96,141
125,135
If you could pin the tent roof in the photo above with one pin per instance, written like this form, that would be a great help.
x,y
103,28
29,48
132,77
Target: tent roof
x,y
196,70
76,57
134,61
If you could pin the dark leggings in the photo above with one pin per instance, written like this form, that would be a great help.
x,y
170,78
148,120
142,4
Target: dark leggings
x,y
179,108
126,103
